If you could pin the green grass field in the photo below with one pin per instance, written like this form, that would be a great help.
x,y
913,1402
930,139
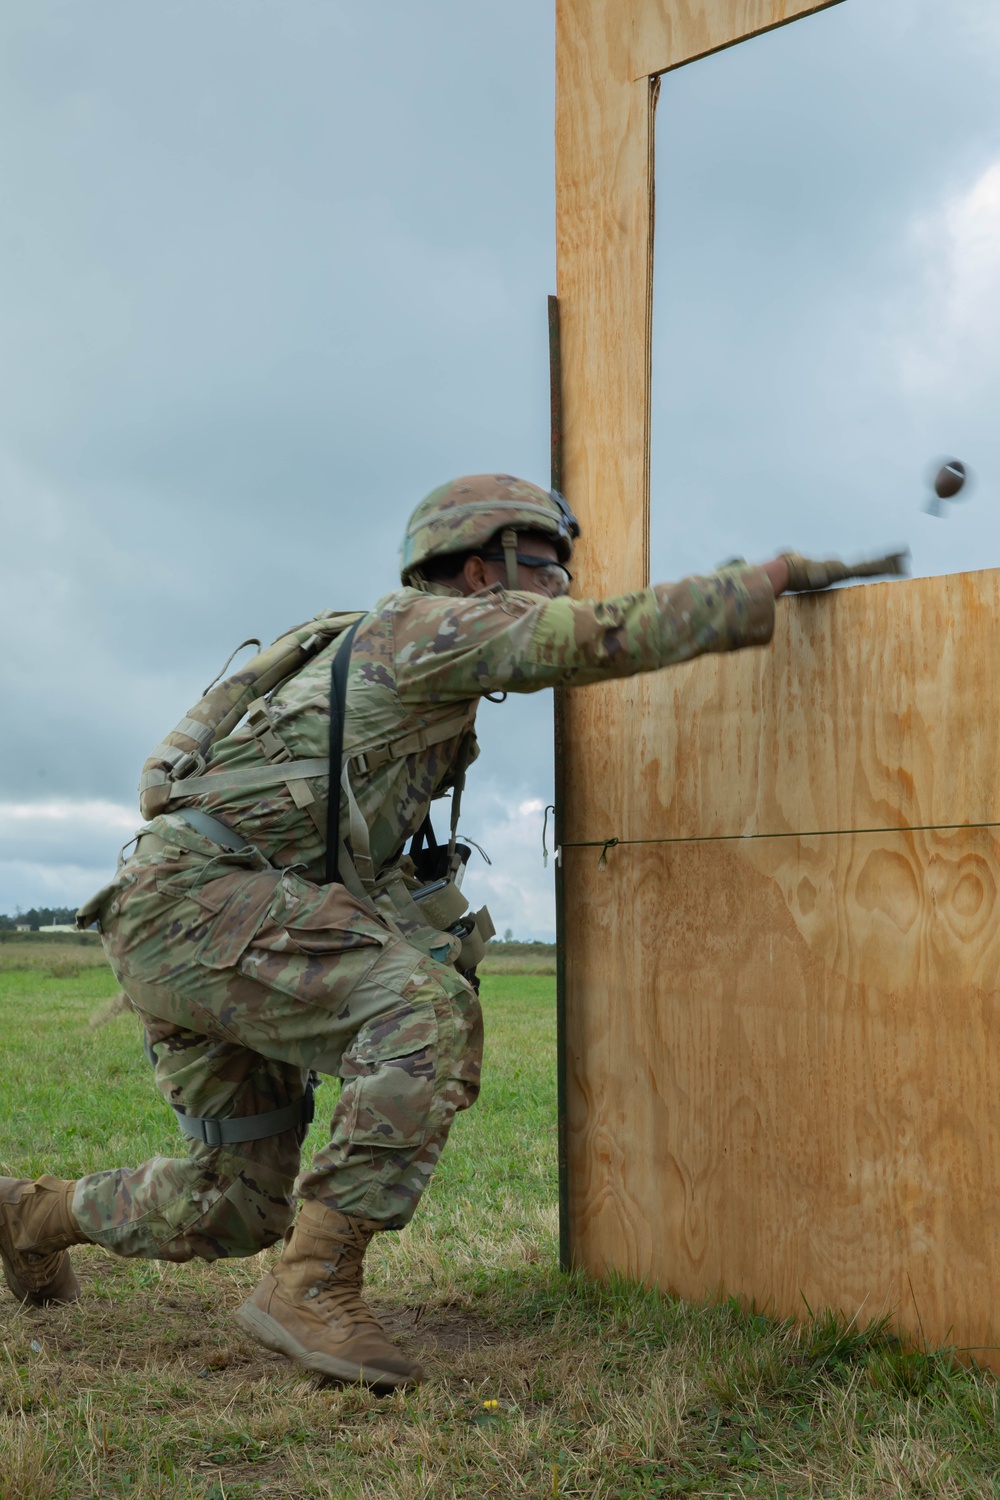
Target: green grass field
x,y
538,1385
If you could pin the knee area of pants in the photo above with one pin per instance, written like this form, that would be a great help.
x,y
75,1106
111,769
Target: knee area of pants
x,y
236,1240
270,1228
270,1237
241,1223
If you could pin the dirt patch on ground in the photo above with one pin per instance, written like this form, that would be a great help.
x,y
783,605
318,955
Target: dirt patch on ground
x,y
441,1330
169,1325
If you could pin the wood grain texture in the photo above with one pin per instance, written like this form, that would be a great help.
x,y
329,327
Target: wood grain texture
x,y
783,1077
783,1061
866,711
605,116
604,202
668,33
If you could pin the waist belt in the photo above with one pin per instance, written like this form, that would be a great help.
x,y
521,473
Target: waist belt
x,y
211,828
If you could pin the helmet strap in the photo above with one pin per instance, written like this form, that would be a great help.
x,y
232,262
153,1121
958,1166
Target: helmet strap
x,y
508,541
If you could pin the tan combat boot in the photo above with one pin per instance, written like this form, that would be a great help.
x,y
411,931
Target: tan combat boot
x,y
310,1306
36,1227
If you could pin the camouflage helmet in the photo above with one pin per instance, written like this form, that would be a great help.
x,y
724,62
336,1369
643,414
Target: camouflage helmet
x,y
468,512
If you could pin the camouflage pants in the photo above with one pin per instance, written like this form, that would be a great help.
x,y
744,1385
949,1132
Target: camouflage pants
x,y
247,978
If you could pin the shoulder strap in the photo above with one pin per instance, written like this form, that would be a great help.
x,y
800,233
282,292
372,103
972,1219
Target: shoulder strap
x,y
338,700
183,752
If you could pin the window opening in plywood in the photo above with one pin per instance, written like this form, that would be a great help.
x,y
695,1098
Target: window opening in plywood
x,y
826,320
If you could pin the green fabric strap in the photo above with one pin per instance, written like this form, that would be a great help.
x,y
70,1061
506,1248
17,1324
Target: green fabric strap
x,y
250,776
214,1132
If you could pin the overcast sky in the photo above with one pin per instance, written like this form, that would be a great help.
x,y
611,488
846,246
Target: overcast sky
x,y
272,269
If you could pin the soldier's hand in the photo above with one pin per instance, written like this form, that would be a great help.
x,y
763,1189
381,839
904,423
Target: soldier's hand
x,y
808,573
778,572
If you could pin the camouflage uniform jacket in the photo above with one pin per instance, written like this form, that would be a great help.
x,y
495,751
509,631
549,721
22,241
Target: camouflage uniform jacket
x,y
420,662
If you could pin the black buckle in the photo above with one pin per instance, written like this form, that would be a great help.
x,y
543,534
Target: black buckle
x,y
571,523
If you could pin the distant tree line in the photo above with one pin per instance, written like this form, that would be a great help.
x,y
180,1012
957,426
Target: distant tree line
x,y
44,916
507,947
38,916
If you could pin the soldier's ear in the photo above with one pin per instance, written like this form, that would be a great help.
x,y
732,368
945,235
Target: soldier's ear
x,y
474,575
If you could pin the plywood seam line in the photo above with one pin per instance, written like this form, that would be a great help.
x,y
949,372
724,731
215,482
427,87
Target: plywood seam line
x,y
809,833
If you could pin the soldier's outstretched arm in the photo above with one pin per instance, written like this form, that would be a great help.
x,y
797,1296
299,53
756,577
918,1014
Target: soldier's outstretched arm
x,y
450,647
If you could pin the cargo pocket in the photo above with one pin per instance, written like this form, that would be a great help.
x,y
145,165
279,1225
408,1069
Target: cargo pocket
x,y
388,1075
313,919
235,907
314,944
277,912
91,910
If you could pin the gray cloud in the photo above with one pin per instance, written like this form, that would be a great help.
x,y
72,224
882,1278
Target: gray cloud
x,y
275,278
809,360
271,272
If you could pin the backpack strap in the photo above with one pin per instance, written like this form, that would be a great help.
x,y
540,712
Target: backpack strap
x,y
250,776
336,770
183,753
376,756
177,769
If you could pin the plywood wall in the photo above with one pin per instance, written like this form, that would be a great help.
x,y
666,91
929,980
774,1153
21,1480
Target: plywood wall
x,y
783,1058
781,1066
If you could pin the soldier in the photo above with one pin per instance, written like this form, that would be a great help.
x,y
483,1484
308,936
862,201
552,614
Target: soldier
x,y
250,969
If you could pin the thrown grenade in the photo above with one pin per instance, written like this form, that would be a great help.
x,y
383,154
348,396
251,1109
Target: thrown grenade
x,y
949,481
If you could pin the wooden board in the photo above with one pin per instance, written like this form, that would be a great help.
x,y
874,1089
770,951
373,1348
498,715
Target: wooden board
x,y
782,1084
783,1054
668,33
605,108
818,731
780,1055
604,205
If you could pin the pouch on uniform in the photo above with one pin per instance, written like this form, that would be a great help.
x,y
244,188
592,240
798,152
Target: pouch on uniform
x,y
182,754
474,941
90,911
237,904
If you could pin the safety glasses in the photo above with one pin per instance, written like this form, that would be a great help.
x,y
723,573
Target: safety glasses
x,y
552,575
